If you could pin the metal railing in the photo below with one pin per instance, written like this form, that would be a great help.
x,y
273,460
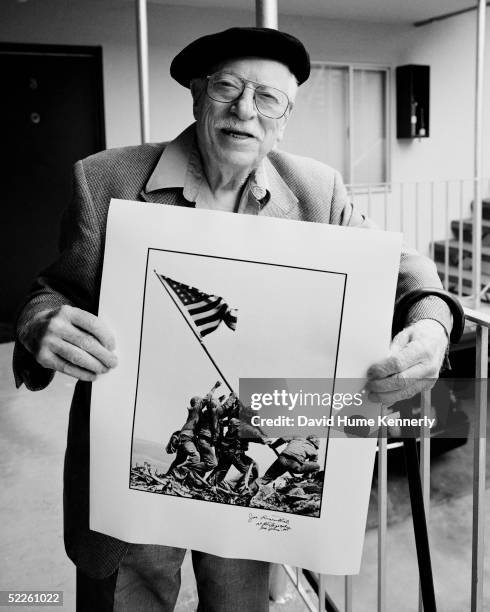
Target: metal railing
x,y
435,218
322,601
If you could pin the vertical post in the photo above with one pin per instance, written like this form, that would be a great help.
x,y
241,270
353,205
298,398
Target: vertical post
x,y
385,204
446,242
460,240
478,153
402,211
348,593
425,464
417,214
266,14
382,514
143,79
479,463
350,120
266,17
387,125
432,245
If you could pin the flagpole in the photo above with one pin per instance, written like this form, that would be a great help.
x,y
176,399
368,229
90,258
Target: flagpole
x,y
196,334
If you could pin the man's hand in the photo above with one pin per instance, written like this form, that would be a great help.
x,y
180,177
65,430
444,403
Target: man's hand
x,y
416,355
71,341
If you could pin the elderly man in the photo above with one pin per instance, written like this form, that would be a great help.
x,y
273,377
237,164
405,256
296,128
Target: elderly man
x,y
243,83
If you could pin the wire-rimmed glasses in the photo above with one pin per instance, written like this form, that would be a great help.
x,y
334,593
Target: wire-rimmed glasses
x,y
228,87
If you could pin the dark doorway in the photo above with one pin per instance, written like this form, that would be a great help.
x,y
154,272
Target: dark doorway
x,y
52,114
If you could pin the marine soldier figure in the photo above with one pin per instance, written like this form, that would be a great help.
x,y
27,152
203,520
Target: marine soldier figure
x,y
299,457
187,451
232,452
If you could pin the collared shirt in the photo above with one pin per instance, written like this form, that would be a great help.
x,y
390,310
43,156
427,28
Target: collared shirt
x,y
180,166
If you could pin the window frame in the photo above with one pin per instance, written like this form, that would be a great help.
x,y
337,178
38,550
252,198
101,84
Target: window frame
x,y
351,66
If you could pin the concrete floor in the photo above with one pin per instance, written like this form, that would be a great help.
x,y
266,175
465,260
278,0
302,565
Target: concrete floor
x,y
32,438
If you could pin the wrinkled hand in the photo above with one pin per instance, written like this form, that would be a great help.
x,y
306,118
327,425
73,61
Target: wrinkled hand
x,y
414,362
71,341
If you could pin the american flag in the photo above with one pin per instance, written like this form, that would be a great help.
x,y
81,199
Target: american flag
x,y
207,311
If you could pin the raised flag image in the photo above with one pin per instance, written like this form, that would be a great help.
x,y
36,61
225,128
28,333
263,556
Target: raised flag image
x,y
206,311
188,395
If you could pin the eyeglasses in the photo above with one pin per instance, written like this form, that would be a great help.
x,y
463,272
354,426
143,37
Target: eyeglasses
x,y
228,87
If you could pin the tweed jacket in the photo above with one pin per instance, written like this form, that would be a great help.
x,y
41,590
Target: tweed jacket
x,y
301,189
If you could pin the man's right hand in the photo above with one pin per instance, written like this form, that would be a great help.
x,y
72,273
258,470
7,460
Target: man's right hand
x,y
71,341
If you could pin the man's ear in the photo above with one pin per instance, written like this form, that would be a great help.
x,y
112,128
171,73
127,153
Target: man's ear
x,y
197,90
282,128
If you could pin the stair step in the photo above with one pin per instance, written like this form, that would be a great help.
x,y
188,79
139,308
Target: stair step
x,y
453,273
467,227
453,251
485,208
453,285
467,267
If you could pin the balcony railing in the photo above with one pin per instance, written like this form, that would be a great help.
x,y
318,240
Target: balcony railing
x,y
435,218
322,602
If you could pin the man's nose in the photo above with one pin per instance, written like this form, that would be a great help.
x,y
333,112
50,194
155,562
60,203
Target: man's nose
x,y
244,106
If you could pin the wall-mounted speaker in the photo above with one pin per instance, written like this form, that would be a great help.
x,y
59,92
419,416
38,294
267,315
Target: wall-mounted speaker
x,y
412,101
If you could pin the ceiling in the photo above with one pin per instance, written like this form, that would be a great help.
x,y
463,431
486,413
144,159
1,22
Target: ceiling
x,y
381,11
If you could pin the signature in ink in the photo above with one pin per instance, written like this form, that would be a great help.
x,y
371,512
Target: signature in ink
x,y
266,522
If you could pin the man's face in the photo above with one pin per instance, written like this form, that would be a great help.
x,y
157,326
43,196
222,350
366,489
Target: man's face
x,y
235,133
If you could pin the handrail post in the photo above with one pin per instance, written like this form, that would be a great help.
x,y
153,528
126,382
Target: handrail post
x,y
143,73
425,464
479,458
382,514
478,154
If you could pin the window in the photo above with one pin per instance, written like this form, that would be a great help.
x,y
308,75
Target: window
x,y
341,118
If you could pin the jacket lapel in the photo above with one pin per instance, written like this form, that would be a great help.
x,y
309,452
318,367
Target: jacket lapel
x,y
282,203
172,197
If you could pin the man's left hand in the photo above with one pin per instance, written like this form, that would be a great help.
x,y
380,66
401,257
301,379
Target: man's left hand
x,y
414,362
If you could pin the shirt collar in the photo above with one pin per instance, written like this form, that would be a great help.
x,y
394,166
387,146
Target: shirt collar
x,y
180,166
171,168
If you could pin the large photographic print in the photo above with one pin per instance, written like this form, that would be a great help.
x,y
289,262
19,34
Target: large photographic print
x,y
214,313
193,438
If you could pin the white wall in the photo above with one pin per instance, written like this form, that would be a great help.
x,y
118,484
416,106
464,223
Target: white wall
x,y
447,46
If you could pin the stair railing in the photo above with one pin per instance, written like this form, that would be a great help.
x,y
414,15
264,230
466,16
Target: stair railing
x,y
435,217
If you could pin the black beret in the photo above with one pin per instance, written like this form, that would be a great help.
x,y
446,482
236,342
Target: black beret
x,y
196,59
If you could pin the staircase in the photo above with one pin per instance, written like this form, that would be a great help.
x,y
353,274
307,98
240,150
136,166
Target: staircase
x,y
458,253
